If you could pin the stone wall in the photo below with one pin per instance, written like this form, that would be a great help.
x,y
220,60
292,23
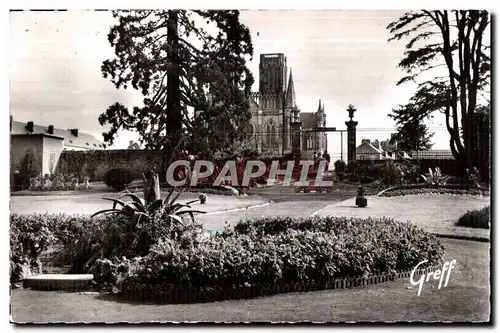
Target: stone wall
x,y
95,163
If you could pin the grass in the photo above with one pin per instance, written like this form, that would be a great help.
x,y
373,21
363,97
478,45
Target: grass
x,y
465,299
479,218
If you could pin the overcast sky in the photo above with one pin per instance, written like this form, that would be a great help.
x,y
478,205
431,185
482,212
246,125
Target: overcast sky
x,y
342,57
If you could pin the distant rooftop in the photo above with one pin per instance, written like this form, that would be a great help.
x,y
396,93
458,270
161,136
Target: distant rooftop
x,y
72,137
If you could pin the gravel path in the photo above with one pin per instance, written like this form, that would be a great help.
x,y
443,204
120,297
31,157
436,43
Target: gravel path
x,y
294,208
90,203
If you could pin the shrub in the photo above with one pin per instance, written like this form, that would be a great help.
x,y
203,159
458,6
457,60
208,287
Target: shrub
x,y
476,218
30,167
340,168
388,172
30,235
285,249
118,178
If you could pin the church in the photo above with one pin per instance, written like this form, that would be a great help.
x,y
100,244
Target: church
x,y
275,112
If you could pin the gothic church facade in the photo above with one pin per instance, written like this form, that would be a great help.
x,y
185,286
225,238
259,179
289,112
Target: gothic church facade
x,y
274,109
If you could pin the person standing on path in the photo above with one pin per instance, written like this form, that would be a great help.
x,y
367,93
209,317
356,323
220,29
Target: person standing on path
x,y
326,156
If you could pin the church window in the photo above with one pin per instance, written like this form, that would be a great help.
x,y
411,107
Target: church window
x,y
273,134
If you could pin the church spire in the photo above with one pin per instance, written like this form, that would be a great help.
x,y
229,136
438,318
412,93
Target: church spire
x,y
321,107
290,93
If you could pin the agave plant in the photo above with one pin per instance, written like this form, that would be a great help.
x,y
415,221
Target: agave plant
x,y
435,178
137,209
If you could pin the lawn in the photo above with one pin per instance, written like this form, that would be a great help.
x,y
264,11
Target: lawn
x,y
465,299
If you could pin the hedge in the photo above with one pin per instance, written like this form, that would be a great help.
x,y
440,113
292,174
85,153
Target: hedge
x,y
479,218
414,189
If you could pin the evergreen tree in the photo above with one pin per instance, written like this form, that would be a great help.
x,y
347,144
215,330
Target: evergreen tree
x,y
413,136
180,61
456,42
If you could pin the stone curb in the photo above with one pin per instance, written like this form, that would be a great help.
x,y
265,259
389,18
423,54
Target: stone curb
x,y
468,238
69,282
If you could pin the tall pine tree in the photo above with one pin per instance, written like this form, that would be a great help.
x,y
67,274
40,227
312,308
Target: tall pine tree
x,y
181,61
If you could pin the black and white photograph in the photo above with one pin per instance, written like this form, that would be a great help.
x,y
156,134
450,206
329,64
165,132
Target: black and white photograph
x,y
250,166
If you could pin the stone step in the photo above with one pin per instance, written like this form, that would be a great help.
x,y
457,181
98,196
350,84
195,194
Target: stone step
x,y
59,282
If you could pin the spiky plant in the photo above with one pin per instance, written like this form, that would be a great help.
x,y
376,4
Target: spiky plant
x,y
435,178
137,209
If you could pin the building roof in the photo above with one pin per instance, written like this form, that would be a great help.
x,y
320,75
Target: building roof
x,y
366,144
432,154
83,140
308,119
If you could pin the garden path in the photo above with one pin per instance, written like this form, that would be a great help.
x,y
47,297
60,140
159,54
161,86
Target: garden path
x,y
89,203
434,213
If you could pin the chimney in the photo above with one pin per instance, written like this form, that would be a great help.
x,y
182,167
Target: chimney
x,y
365,141
376,144
30,126
51,129
74,131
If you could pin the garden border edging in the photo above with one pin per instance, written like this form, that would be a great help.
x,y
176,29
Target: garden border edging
x,y
176,295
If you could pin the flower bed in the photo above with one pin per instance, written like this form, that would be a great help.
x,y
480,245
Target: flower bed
x,y
260,257
202,188
278,252
415,189
58,182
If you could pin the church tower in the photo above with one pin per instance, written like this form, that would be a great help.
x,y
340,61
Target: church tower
x,y
272,80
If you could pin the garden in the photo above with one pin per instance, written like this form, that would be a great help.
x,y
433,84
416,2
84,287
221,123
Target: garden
x,y
148,250
398,178
111,170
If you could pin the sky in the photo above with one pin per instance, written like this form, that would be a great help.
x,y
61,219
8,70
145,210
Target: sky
x,y
341,57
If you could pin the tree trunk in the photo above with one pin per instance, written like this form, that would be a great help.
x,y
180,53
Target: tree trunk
x,y
174,118
151,187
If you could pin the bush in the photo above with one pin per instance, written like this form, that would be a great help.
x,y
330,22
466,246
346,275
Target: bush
x,y
340,168
84,239
476,218
30,167
387,172
118,178
285,249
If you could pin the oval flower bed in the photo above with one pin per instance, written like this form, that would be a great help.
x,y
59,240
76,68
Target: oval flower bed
x,y
269,256
416,189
